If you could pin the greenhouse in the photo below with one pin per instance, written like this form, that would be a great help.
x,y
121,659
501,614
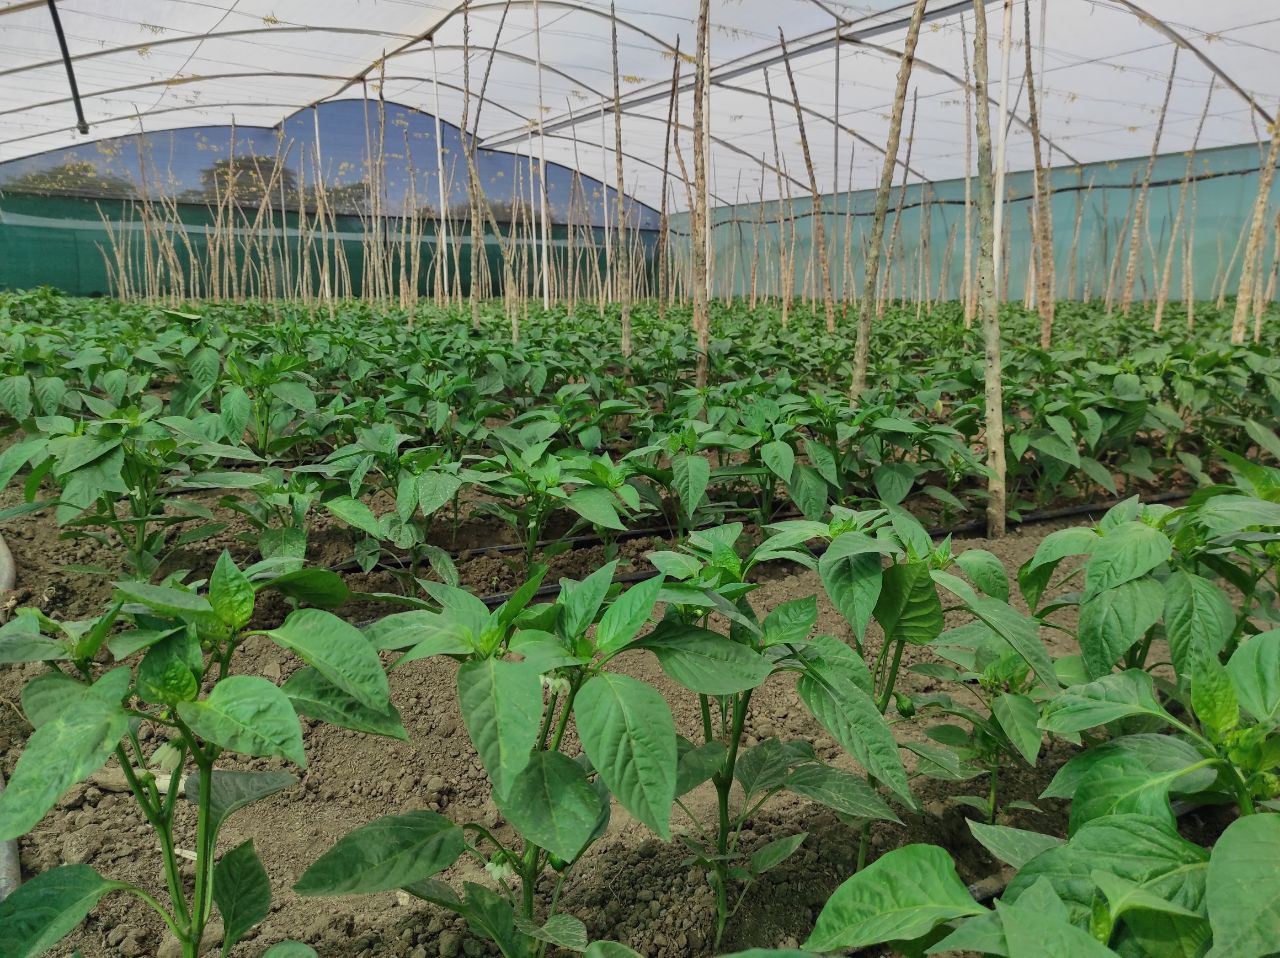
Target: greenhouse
x,y
692,479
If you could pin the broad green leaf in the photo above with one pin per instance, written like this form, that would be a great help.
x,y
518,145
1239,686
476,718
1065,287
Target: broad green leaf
x,y
289,949
1018,716
425,632
501,706
847,712
842,791
230,593
1255,672
170,671
295,394
690,475
338,651
1112,621
791,622
852,581
247,714
706,662
986,571
1243,888
21,641
808,490
313,586
1021,632
628,733
233,413
597,505
909,609
1198,618
1013,846
1112,697
696,764
1128,551
41,912
561,930
167,601
355,513
1121,784
903,894
761,768
385,854
779,457
63,751
627,615
435,489
241,890
1029,935
1159,753
313,695
609,949
552,804
230,791
580,601
1213,698
1125,897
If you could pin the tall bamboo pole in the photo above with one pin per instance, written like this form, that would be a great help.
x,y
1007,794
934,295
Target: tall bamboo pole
x,y
1245,291
1162,292
701,227
987,306
819,227
1002,138
967,291
542,166
624,286
1042,220
863,344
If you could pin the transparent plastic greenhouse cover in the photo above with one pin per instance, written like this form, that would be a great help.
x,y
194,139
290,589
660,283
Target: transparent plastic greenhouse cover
x,y
540,80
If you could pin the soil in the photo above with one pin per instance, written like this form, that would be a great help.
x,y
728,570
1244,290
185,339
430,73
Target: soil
x,y
629,887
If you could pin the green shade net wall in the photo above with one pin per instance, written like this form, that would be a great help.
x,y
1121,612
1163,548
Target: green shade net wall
x,y
929,241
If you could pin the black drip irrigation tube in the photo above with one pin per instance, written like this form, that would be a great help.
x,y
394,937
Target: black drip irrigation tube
x,y
936,532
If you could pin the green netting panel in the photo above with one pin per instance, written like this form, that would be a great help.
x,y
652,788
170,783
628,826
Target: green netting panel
x,y
1220,204
71,243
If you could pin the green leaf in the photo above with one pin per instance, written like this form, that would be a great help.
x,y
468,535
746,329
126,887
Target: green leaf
x,y
44,910
1021,632
1121,784
853,580
338,651
597,505
233,413
1112,697
1029,935
778,457
295,394
893,481
311,694
21,641
1018,715
842,791
628,733
808,490
689,478
230,791
704,661
1013,846
385,854
1255,672
776,852
173,602
1112,621
313,586
627,616
15,396
561,930
435,489
1243,888
1213,697
1128,551
791,622
609,949
64,750
696,764
909,609
1159,753
501,705
170,671
552,804
847,712
986,572
1198,618
580,601
230,593
761,768
241,891
355,513
903,894
247,714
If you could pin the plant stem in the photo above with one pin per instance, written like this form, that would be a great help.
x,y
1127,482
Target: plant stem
x,y
205,840
886,690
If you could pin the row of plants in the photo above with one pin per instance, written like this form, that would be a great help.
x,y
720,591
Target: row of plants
x,y
403,431
1171,706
